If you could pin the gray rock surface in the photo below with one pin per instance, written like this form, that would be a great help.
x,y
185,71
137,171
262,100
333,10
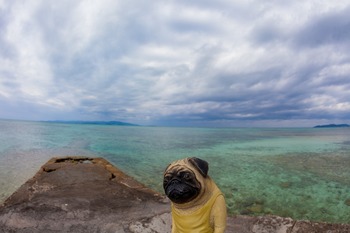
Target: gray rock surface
x,y
80,194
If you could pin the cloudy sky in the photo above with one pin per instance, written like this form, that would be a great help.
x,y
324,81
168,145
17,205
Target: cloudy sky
x,y
176,62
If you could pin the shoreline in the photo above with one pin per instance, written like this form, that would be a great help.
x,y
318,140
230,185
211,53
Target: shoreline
x,y
83,194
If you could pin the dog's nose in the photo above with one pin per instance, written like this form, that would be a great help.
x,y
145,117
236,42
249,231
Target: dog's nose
x,y
175,181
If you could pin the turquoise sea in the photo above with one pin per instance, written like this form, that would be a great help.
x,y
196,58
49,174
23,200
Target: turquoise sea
x,y
303,173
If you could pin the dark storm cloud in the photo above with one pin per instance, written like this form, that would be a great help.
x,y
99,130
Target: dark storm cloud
x,y
328,29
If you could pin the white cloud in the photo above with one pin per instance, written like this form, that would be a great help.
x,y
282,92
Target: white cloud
x,y
145,61
28,69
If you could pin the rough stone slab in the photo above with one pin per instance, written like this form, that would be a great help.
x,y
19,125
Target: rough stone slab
x,y
80,194
315,227
245,224
276,224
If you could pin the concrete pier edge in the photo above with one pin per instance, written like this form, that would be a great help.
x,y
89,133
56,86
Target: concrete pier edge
x,y
83,194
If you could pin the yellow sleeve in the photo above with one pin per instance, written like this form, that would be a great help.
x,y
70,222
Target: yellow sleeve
x,y
219,215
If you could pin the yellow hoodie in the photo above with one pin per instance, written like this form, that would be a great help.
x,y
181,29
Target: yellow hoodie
x,y
198,221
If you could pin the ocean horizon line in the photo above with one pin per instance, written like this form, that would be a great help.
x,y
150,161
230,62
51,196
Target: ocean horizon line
x,y
123,123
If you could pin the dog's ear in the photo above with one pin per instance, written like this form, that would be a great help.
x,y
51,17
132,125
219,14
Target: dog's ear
x,y
201,165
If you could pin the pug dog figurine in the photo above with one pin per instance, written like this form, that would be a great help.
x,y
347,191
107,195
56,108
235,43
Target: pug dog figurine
x,y
197,204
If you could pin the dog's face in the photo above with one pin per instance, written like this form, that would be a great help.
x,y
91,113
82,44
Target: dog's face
x,y
182,179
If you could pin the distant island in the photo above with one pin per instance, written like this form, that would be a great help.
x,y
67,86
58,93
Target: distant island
x,y
332,126
94,123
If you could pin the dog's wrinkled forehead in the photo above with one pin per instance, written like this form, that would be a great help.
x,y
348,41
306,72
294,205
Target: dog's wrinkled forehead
x,y
196,165
176,164
177,168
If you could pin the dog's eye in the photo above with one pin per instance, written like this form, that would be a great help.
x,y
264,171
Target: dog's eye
x,y
186,176
166,179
